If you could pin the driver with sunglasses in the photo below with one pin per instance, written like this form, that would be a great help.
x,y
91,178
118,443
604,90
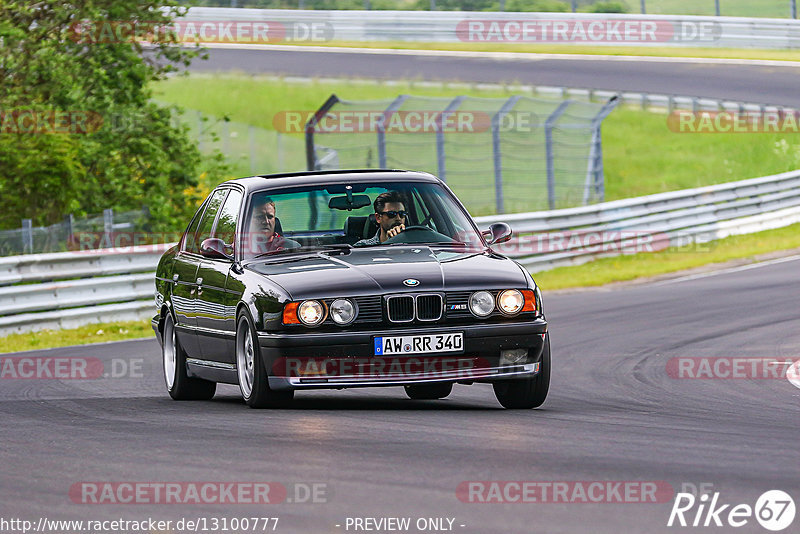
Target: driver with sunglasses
x,y
390,214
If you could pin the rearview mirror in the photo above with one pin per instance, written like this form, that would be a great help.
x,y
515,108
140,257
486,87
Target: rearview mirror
x,y
214,248
498,233
343,203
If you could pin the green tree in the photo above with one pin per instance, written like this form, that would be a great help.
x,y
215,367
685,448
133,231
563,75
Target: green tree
x,y
78,130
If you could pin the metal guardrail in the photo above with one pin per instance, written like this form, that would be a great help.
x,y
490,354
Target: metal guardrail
x,y
69,289
453,26
549,239
64,290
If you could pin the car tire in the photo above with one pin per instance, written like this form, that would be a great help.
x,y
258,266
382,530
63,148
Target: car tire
x,y
429,391
253,377
526,393
180,385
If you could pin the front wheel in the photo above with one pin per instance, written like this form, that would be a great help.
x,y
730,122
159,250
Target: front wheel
x,y
527,392
429,391
253,380
179,384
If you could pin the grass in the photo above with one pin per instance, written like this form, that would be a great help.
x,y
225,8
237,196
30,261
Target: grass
x,y
624,268
641,155
728,8
94,333
603,50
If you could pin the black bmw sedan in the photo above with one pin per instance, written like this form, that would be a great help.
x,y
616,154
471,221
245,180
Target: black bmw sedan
x,y
342,279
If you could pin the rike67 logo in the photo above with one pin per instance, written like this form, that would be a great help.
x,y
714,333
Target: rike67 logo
x,y
774,510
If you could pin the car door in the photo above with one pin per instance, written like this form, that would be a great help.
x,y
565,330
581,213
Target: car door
x,y
184,277
216,324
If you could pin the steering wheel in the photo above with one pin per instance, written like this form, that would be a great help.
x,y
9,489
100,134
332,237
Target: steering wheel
x,y
403,236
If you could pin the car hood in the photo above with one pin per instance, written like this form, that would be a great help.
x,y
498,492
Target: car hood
x,y
369,271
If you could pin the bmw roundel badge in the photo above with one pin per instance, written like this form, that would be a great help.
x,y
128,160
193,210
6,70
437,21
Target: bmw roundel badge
x,y
411,282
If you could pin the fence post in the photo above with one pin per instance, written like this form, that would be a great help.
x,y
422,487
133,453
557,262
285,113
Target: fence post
x,y
716,7
381,129
311,155
502,5
548,146
644,11
498,162
281,165
108,225
794,9
594,172
433,5
27,236
440,155
574,5
200,131
251,134
69,225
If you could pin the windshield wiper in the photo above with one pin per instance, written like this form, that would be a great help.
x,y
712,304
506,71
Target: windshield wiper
x,y
343,247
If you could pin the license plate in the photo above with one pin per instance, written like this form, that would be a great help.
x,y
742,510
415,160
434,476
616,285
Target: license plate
x,y
429,343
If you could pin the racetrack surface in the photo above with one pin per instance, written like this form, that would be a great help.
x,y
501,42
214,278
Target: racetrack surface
x,y
775,85
613,414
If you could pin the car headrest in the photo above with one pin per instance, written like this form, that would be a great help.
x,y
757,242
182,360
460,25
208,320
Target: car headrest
x,y
370,226
278,227
354,227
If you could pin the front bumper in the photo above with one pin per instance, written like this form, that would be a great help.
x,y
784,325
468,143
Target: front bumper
x,y
348,352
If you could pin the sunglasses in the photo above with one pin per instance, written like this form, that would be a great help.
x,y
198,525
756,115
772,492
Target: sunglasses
x,y
393,214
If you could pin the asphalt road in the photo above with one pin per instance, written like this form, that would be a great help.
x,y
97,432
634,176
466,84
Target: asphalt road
x,y
614,413
764,84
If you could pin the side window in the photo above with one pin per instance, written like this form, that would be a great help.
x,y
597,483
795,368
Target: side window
x,y
188,243
226,225
207,222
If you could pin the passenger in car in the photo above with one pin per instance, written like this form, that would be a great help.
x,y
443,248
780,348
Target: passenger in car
x,y
265,228
390,214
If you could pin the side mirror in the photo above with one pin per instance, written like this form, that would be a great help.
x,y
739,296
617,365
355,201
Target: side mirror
x,y
498,233
214,248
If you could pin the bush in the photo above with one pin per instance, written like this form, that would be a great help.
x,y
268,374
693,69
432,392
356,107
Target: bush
x,y
129,151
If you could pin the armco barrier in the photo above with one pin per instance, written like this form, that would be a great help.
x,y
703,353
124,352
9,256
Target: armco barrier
x,y
548,239
69,289
453,26
74,288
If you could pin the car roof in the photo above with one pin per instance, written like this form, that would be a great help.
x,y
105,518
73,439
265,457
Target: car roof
x,y
293,179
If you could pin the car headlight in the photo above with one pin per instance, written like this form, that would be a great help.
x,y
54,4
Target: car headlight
x,y
510,301
481,303
311,312
343,311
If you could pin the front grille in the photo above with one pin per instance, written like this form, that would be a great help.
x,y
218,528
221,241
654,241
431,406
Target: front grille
x,y
429,307
400,308
369,310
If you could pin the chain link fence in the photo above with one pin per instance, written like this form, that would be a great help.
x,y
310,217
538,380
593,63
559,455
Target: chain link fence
x,y
500,155
73,233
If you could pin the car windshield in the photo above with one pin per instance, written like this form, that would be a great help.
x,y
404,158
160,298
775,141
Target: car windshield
x,y
340,216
